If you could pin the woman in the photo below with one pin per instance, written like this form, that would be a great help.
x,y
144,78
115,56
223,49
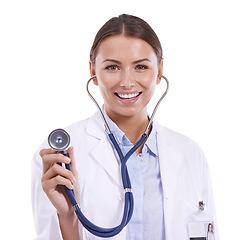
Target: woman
x,y
210,233
169,173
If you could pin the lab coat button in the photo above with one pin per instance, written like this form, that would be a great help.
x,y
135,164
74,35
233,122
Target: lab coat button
x,y
201,205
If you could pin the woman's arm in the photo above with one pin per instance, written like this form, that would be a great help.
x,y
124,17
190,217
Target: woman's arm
x,y
69,227
54,179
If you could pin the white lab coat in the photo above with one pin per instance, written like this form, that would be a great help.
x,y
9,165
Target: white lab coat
x,y
184,172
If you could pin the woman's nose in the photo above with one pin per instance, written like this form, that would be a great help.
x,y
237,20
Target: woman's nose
x,y
127,79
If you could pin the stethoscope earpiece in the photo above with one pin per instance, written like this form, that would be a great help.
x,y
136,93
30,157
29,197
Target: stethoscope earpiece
x,y
59,139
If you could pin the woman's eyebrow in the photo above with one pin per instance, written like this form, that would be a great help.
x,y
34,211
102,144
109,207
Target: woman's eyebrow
x,y
118,62
141,60
111,60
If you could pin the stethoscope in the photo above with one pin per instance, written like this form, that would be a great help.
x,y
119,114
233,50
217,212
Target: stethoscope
x,y
59,140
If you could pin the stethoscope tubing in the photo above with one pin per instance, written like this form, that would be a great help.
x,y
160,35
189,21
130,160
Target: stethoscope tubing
x,y
129,202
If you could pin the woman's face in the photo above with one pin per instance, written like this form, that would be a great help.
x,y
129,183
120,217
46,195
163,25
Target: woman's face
x,y
126,70
210,228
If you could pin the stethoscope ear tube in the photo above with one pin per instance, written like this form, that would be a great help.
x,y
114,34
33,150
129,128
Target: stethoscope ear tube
x,y
153,113
157,105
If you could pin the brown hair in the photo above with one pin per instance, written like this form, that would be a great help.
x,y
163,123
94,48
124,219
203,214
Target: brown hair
x,y
129,26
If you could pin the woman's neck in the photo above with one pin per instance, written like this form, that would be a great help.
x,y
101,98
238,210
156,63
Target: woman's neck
x,y
133,126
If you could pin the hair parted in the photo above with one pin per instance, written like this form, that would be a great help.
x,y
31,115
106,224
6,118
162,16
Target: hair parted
x,y
129,26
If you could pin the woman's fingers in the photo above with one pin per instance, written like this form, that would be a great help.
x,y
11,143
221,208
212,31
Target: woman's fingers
x,y
51,184
53,173
50,157
58,170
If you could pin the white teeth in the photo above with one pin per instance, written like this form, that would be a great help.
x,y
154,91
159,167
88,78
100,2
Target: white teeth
x,y
132,95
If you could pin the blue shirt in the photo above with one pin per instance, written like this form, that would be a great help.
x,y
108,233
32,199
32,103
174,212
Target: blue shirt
x,y
147,221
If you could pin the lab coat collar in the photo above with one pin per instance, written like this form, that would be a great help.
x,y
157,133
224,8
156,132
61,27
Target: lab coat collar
x,y
103,151
95,126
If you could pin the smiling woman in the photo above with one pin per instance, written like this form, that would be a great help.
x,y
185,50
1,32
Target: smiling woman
x,y
169,174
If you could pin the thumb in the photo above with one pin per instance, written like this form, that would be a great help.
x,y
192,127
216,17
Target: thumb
x,y
75,173
73,163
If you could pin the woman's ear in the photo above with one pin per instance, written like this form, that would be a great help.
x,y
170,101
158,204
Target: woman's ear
x,y
160,71
92,72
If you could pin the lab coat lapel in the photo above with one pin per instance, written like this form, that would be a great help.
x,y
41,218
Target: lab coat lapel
x,y
102,150
170,161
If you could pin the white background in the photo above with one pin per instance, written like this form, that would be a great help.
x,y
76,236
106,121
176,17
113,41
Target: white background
x,y
44,53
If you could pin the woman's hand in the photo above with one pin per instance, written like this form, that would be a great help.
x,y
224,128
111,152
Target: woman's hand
x,y
55,177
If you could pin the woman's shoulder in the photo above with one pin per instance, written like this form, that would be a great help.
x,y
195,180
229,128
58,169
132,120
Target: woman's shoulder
x,y
176,139
171,134
95,121
78,125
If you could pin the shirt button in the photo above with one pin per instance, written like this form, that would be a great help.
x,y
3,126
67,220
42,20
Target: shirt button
x,y
119,196
143,159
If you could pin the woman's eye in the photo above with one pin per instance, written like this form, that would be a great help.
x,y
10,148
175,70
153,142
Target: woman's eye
x,y
112,67
141,67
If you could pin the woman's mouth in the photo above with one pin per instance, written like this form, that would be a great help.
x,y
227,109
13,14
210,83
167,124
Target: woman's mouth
x,y
127,99
128,95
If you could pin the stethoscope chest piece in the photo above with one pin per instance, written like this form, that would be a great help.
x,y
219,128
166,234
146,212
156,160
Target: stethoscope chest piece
x,y
59,139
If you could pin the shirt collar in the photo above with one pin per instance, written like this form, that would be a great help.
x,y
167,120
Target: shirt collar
x,y
151,143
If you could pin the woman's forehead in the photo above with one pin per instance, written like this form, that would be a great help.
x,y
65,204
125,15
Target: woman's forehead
x,y
122,47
